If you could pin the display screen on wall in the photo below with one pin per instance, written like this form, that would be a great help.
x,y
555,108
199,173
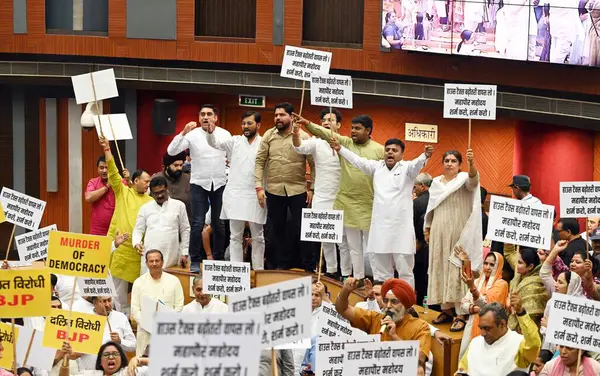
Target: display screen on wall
x,y
551,31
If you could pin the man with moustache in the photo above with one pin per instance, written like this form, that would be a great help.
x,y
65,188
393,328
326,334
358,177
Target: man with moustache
x,y
285,189
392,240
398,297
207,182
179,182
240,204
355,196
327,182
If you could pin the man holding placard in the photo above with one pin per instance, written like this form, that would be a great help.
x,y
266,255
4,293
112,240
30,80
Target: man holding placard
x,y
355,196
327,182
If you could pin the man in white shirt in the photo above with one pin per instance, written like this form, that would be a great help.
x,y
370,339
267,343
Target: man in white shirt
x,y
157,285
207,182
392,235
327,181
521,185
83,305
592,223
117,329
240,204
163,224
203,302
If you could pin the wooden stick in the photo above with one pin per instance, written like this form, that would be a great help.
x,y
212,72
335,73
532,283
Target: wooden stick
x,y
29,348
587,240
115,141
320,264
66,357
469,142
14,335
578,353
96,104
274,370
12,234
302,100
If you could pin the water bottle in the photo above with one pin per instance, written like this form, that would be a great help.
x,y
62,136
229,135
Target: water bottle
x,y
425,304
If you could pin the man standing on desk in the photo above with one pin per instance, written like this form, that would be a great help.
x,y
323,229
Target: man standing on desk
x,y
393,323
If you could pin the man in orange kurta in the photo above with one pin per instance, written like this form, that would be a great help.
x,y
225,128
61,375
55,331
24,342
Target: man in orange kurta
x,y
398,297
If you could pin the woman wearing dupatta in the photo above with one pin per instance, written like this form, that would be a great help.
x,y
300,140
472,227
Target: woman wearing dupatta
x,y
453,218
527,283
488,288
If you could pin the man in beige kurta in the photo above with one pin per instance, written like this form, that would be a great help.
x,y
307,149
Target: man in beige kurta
x,y
355,196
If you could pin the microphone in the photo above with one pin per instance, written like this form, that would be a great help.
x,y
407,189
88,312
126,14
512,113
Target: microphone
x,y
384,326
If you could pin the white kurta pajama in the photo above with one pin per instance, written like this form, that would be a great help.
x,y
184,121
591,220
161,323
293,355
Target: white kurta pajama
x,y
163,227
327,184
392,236
213,306
240,204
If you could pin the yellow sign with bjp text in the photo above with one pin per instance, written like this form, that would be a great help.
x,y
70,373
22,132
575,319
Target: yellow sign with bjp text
x,y
2,217
85,334
79,255
8,339
25,293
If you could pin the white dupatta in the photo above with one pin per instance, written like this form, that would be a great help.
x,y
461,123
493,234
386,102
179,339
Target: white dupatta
x,y
470,237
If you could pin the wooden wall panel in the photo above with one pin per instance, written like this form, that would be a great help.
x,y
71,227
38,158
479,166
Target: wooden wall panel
x,y
597,156
57,208
6,159
447,68
32,143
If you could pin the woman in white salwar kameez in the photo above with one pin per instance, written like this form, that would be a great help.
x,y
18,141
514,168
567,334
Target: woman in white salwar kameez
x,y
453,219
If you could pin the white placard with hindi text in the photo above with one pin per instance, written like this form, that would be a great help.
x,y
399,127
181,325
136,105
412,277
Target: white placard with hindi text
x,y
332,324
519,222
29,344
574,322
22,210
579,199
225,277
150,307
33,245
286,307
322,225
120,126
301,63
302,344
331,90
105,86
381,358
329,357
426,133
206,344
97,286
476,102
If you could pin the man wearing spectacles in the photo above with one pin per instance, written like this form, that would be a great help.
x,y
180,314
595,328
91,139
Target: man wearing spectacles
x,y
162,224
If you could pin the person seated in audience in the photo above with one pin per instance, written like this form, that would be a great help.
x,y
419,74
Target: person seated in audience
x,y
111,360
204,302
566,364
398,297
499,350
536,367
374,301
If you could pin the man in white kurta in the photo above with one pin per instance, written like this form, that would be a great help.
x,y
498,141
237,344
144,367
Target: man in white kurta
x,y
240,204
162,224
392,238
117,329
155,284
327,181
204,303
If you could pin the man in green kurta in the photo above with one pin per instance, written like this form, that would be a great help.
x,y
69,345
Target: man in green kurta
x,y
355,196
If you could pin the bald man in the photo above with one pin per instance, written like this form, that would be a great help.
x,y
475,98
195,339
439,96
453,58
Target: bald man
x,y
398,297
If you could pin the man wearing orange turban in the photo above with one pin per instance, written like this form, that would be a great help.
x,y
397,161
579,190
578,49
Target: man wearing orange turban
x,y
398,297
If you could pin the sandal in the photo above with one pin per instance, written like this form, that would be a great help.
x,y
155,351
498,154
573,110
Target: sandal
x,y
458,320
443,318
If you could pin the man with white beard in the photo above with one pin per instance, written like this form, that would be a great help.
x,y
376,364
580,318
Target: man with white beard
x,y
240,204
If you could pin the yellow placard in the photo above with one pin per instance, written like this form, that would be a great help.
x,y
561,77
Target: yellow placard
x,y
8,339
25,293
85,335
2,217
78,255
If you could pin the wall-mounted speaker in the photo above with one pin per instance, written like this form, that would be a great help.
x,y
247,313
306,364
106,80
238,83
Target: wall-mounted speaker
x,y
164,116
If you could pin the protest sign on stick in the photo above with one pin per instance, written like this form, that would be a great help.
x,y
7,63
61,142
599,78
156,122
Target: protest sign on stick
x,y
21,210
2,216
332,324
84,331
97,286
323,226
33,245
206,344
113,127
579,199
330,354
8,337
150,307
519,222
25,293
225,277
286,307
31,352
381,358
574,322
79,255
331,91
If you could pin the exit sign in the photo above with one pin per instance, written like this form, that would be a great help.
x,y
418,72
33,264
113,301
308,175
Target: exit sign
x,y
252,101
